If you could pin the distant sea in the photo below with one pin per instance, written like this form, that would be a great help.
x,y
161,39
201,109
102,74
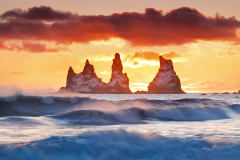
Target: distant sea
x,y
120,127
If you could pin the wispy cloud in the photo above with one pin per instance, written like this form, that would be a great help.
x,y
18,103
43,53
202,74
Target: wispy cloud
x,y
229,53
138,86
208,86
30,46
18,73
105,73
149,58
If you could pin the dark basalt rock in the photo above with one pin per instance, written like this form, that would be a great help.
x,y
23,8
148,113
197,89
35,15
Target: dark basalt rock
x,y
88,70
119,82
225,93
166,81
71,74
86,81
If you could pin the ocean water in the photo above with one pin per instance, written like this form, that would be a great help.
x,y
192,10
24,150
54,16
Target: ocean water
x,y
120,127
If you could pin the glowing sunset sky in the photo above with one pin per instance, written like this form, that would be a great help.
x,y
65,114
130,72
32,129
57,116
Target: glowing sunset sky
x,y
39,40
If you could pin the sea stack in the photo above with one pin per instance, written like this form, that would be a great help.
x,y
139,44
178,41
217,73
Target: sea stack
x,y
166,81
71,74
119,82
86,81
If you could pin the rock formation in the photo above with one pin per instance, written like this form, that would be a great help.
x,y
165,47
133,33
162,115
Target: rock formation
x,y
86,81
119,82
239,92
71,74
166,81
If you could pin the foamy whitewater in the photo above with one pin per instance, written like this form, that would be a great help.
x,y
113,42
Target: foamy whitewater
x,y
120,127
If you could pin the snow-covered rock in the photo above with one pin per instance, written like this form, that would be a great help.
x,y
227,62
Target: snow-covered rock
x,y
86,81
166,81
119,82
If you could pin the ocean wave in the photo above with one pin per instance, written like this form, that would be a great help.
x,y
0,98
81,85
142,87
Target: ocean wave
x,y
121,145
89,117
139,115
26,121
41,99
84,110
22,105
235,107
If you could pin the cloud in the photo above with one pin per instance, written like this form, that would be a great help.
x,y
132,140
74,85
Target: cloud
x,y
99,57
232,53
105,73
140,63
37,13
18,73
116,42
152,28
138,86
36,47
149,58
171,55
150,55
147,55
229,53
208,86
29,46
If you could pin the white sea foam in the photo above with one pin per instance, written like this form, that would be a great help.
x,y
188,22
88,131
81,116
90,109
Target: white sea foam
x,y
121,145
48,100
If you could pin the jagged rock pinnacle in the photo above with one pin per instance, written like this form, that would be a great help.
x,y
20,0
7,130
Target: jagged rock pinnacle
x,y
119,82
166,81
87,62
86,81
70,77
117,65
89,69
70,70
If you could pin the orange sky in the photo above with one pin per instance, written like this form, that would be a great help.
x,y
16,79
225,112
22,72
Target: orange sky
x,y
36,59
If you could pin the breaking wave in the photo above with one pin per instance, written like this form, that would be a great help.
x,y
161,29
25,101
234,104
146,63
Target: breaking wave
x,y
88,111
137,115
121,145
21,105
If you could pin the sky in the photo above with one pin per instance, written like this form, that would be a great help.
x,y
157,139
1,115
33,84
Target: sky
x,y
39,40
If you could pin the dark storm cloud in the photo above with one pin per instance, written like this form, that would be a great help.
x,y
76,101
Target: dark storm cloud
x,y
177,27
152,28
37,13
